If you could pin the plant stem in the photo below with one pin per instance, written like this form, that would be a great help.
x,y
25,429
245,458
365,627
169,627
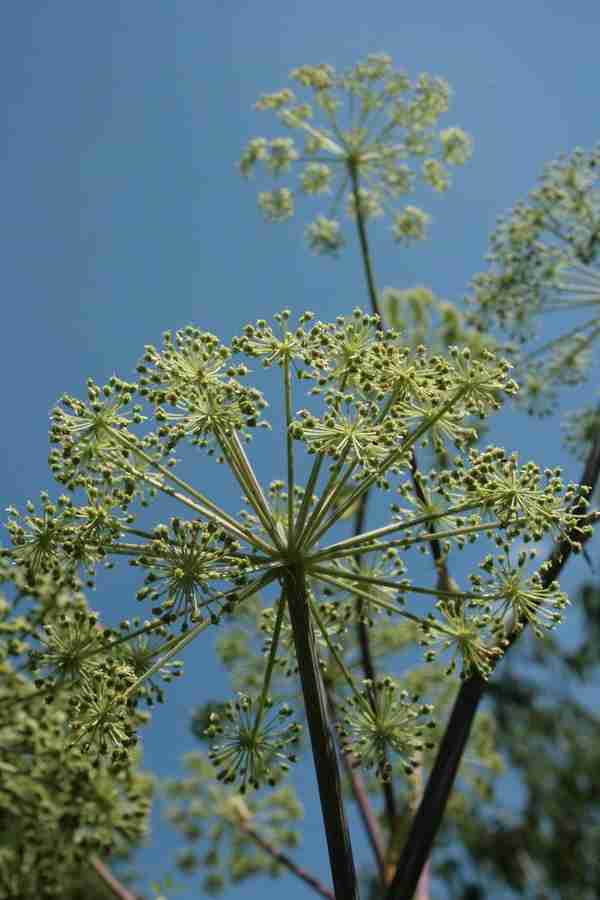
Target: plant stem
x,y
212,510
289,449
364,246
269,668
357,541
369,819
323,746
244,474
439,560
108,880
170,649
285,860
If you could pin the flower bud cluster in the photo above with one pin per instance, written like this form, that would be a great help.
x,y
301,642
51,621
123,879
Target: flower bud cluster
x,y
183,563
374,124
383,719
544,259
253,750
191,375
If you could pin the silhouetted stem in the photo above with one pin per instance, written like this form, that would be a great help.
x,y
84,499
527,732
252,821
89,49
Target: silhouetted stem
x,y
371,825
364,246
323,746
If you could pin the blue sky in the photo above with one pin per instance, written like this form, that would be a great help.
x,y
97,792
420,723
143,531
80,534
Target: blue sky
x,y
123,214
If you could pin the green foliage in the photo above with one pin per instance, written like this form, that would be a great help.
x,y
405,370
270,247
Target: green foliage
x,y
60,801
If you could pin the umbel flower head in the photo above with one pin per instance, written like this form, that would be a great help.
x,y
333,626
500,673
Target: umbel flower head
x,y
383,719
183,563
362,402
367,135
58,539
543,259
254,749
516,598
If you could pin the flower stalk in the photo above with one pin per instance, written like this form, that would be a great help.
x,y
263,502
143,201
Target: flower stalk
x,y
323,746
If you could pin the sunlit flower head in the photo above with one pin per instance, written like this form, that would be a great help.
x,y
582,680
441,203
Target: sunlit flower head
x,y
368,136
384,720
253,749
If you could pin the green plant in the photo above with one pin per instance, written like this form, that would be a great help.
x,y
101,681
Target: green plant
x,y
365,408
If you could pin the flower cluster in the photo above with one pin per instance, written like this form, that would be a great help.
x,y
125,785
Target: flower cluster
x,y
87,434
63,803
370,401
380,719
192,376
516,598
59,539
253,750
183,563
476,640
261,341
101,719
543,259
523,497
72,646
377,135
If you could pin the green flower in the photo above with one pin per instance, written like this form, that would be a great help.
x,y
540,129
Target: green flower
x,y
410,225
252,749
341,352
210,414
262,342
324,236
140,653
523,496
52,541
543,260
92,425
381,720
190,358
515,598
72,646
373,123
100,720
183,563
346,431
476,640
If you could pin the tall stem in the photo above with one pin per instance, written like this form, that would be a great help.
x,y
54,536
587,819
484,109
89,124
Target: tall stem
x,y
362,632
289,449
364,246
323,746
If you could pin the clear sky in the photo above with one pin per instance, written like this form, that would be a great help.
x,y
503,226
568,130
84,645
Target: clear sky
x,y
123,214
